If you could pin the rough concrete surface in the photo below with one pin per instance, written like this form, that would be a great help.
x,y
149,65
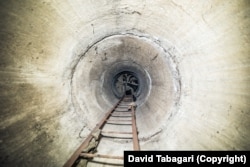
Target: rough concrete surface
x,y
55,56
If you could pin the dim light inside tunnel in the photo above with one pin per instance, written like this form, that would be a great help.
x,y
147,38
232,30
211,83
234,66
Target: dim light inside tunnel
x,y
59,60
107,59
125,82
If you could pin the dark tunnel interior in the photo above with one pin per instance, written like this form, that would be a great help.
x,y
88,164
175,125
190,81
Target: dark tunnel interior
x,y
65,63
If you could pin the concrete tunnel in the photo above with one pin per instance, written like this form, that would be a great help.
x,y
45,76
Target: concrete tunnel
x,y
59,60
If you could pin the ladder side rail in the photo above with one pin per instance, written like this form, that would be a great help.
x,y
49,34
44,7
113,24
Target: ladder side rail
x,y
134,131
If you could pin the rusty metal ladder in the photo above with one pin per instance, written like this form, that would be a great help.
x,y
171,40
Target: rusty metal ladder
x,y
125,107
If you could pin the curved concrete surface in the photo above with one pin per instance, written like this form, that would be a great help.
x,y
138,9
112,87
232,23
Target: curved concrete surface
x,y
58,58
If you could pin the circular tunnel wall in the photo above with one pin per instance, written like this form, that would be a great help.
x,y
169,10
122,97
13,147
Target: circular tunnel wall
x,y
102,62
58,59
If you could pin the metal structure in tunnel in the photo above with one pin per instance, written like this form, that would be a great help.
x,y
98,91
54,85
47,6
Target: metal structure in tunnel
x,y
59,57
122,114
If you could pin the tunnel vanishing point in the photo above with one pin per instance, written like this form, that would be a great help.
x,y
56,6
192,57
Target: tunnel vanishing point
x,y
62,62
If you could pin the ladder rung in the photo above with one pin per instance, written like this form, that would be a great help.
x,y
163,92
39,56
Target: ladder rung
x,y
119,120
116,132
118,137
121,111
88,155
116,123
120,115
